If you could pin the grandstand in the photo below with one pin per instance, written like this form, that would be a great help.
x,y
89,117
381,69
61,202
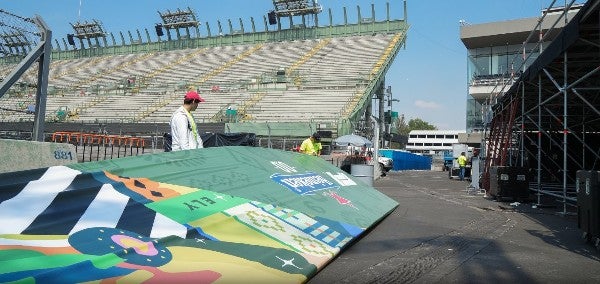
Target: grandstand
x,y
297,80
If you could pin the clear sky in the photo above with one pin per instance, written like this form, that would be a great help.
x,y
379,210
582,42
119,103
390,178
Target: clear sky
x,y
428,77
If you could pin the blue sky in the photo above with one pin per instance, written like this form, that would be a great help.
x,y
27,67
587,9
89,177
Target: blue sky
x,y
428,77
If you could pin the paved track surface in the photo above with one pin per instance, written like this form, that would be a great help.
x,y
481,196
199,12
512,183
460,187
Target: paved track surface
x,y
443,233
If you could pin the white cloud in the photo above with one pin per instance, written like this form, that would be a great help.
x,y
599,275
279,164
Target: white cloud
x,y
427,105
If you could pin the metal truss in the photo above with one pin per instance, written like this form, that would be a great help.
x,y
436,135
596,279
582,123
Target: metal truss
x,y
555,130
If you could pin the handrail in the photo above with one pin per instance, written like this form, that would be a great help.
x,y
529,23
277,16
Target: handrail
x,y
378,72
308,56
504,86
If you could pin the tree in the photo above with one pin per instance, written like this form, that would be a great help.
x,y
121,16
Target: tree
x,y
403,128
419,124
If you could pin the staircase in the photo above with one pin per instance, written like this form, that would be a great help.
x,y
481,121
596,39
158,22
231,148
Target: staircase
x,y
500,140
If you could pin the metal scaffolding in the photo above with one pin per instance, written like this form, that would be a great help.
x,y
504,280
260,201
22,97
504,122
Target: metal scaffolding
x,y
549,119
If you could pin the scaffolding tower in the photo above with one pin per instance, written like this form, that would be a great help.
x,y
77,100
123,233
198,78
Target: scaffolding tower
x,y
548,120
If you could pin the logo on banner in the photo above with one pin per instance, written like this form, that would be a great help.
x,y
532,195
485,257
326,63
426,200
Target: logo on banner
x,y
303,183
283,167
341,200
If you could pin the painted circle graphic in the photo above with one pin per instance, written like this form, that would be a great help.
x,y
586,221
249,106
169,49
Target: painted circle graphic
x,y
134,248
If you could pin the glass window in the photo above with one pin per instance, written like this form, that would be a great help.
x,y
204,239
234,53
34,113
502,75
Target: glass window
x,y
503,64
474,115
480,65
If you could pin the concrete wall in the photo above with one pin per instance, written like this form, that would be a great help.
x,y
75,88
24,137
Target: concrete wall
x,y
18,155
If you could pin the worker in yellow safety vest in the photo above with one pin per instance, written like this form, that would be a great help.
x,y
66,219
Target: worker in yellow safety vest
x,y
312,145
462,163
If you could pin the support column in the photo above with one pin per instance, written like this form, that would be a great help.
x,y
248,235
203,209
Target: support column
x,y
565,131
539,142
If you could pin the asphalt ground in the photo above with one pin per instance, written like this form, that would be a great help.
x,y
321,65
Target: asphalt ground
x,y
441,232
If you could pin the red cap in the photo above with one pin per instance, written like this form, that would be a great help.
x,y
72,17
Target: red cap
x,y
191,95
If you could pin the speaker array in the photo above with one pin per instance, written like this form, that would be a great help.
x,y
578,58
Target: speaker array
x,y
159,30
272,18
70,39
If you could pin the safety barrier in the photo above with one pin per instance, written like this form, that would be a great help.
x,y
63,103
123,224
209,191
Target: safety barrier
x,y
96,147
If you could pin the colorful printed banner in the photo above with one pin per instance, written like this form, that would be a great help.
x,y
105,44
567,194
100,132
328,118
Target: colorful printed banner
x,y
214,215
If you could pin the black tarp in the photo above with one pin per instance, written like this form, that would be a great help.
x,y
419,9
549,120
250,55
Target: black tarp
x,y
228,139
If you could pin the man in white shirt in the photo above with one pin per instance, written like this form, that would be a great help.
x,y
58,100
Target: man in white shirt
x,y
183,126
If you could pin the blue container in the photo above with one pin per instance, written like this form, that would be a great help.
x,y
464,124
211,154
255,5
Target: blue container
x,y
407,161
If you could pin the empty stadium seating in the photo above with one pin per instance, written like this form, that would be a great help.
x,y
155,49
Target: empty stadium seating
x,y
323,81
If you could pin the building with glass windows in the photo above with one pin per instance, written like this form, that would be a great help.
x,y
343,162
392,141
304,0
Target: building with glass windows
x,y
432,142
498,52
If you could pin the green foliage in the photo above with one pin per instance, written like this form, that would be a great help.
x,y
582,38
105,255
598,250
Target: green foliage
x,y
401,127
419,124
404,128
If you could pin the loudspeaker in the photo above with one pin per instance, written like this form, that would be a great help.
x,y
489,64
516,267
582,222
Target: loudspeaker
x,y
70,39
509,182
159,31
588,204
272,18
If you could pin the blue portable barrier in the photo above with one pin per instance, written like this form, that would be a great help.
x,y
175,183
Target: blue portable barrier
x,y
407,161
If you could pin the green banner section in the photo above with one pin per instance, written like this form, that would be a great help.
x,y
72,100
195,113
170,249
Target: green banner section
x,y
288,179
203,214
196,205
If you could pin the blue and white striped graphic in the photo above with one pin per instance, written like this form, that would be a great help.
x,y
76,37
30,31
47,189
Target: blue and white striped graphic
x,y
64,201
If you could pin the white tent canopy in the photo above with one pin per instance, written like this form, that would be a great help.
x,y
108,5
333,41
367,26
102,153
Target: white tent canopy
x,y
353,140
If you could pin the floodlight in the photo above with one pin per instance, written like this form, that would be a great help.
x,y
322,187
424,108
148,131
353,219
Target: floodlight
x,y
179,19
16,42
17,34
88,30
284,8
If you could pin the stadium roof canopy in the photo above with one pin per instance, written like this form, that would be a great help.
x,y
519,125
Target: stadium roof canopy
x,y
512,31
